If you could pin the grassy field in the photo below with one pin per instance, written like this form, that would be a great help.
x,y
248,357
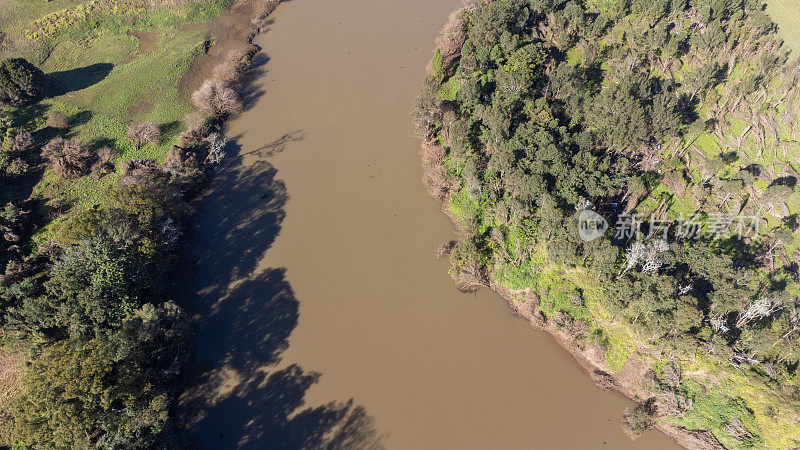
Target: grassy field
x,y
786,13
110,64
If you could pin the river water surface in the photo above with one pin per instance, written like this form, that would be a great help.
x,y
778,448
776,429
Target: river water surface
x,y
317,282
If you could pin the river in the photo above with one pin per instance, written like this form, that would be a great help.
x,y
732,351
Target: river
x,y
316,279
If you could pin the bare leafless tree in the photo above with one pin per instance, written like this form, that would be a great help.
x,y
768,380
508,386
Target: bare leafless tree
x,y
216,142
452,37
216,98
68,159
105,161
759,309
144,133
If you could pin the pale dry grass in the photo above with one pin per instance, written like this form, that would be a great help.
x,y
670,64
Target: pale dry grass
x,y
434,174
452,36
12,367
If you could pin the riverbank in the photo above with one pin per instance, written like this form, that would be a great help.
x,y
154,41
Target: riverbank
x,y
112,129
626,380
515,146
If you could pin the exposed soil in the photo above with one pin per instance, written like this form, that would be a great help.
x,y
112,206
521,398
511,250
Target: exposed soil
x,y
148,41
231,32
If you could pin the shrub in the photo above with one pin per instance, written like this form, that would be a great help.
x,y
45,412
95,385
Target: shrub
x,y
68,159
216,98
18,167
105,161
641,418
16,140
58,120
20,82
144,133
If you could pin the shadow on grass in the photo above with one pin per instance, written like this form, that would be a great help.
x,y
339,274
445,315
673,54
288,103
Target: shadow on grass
x,y
60,83
170,129
236,396
80,118
25,114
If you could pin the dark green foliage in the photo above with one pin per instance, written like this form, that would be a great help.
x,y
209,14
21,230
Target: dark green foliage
x,y
635,111
437,65
107,345
20,82
109,393
555,115
94,285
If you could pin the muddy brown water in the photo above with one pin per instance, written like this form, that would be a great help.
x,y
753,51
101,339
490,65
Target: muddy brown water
x,y
317,284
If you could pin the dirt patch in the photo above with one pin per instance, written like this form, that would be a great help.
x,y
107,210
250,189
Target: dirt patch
x,y
230,33
141,108
148,41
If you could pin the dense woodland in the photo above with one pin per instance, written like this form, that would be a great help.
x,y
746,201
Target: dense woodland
x,y
536,110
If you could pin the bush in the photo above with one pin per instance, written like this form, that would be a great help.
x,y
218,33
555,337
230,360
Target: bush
x,y
20,82
105,161
68,159
57,120
641,418
216,98
16,140
144,133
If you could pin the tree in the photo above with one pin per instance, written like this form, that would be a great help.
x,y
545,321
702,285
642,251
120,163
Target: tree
x,y
16,140
20,82
437,65
144,133
216,98
620,113
91,287
68,159
97,393
641,418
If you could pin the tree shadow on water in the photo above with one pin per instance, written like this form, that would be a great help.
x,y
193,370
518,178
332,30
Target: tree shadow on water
x,y
236,396
250,91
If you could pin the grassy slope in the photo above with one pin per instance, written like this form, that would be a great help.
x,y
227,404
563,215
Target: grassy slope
x,y
132,85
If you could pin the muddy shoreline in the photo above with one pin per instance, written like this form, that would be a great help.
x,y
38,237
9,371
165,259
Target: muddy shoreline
x,y
232,32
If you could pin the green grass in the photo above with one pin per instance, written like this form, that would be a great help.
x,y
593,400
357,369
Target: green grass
x,y
130,86
463,207
715,409
556,294
619,346
105,48
786,13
